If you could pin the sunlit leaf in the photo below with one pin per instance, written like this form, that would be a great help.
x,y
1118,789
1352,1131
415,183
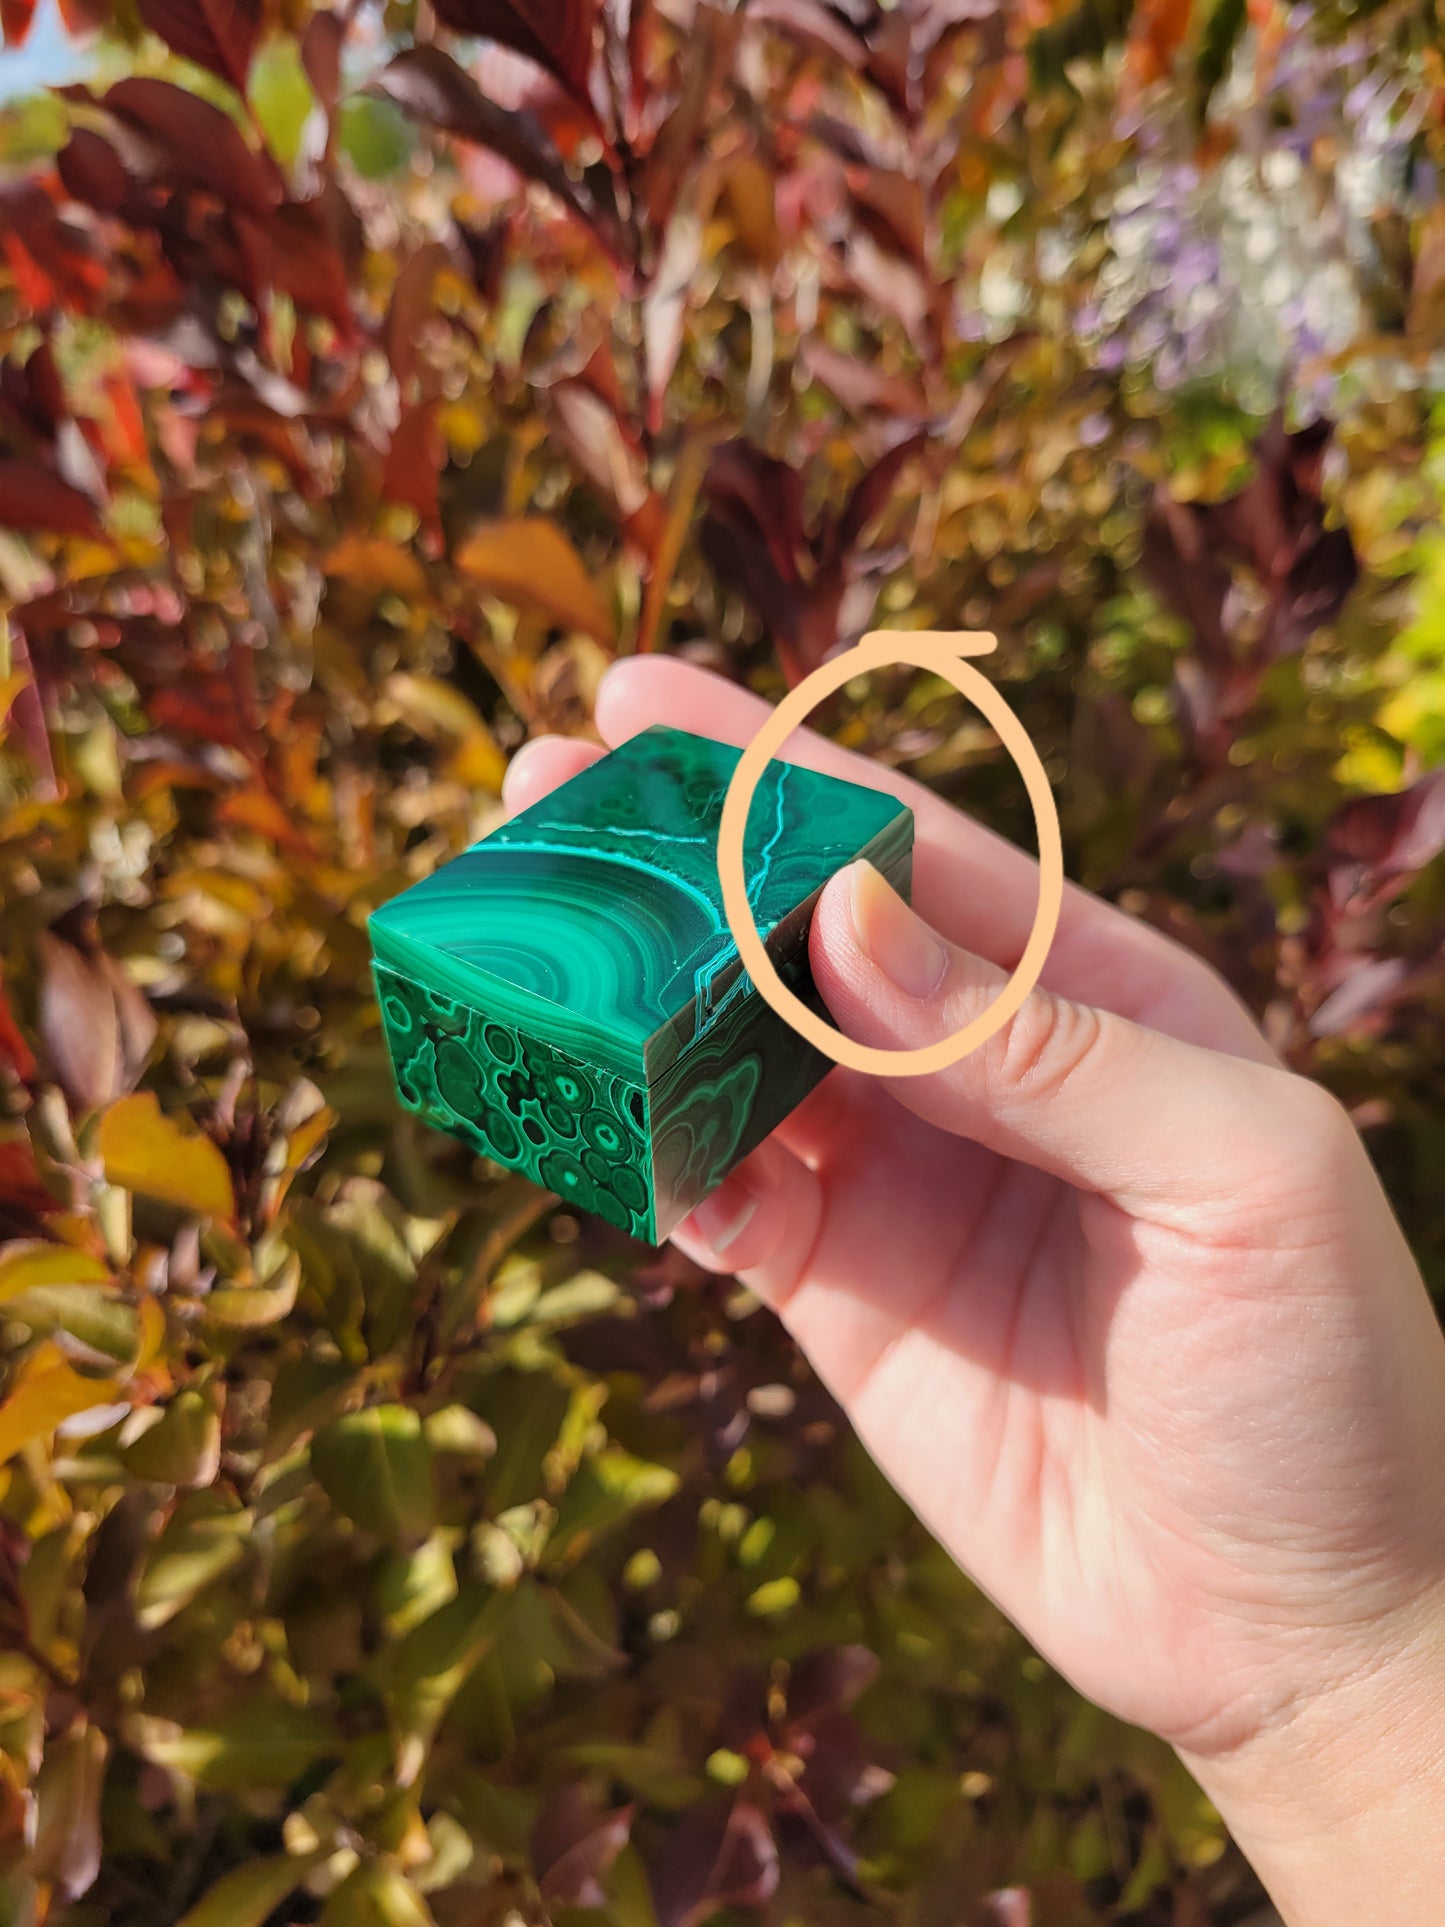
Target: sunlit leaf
x,y
26,1266
376,1467
249,1895
531,563
183,1446
145,1151
265,1743
45,1392
198,1545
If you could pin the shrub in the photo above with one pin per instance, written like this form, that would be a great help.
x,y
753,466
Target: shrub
x,y
378,1542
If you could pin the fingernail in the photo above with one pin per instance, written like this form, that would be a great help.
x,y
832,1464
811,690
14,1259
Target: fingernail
x,y
523,756
899,943
722,1217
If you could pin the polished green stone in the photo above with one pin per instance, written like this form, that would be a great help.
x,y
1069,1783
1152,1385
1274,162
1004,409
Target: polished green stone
x,y
566,996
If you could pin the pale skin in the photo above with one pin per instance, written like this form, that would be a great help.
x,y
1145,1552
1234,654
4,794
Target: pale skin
x,y
1119,1305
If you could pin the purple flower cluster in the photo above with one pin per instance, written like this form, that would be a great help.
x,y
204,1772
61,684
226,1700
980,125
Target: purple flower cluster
x,y
1250,270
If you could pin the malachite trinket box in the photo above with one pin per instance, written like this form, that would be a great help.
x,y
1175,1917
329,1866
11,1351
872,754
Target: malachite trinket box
x,y
566,998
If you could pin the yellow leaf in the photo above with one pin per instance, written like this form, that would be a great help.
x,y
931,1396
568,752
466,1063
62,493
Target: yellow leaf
x,y
530,563
144,1151
372,562
433,708
256,1305
10,688
681,500
46,1392
152,1314
23,1267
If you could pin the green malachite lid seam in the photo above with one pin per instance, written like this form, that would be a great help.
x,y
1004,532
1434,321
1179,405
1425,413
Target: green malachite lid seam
x,y
594,919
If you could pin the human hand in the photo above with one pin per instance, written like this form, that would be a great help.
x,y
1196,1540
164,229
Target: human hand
x,y
1119,1305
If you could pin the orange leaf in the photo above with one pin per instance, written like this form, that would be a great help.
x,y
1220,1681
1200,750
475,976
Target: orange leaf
x,y
529,562
256,809
1158,31
47,1391
371,562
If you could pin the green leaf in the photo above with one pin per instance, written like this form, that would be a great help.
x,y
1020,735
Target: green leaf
x,y
182,1447
526,1411
427,1670
376,1895
266,1743
375,1466
100,1320
605,1491
192,1553
307,1393
375,137
412,1586
282,98
67,1848
251,1307
249,1895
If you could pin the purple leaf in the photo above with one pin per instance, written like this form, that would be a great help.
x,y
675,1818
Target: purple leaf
x,y
573,1845
219,35
720,1855
428,85
557,34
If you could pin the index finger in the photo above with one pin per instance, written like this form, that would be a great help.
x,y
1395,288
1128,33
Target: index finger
x,y
973,886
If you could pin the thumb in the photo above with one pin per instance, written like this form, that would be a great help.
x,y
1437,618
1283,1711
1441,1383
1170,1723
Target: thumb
x,y
1162,1126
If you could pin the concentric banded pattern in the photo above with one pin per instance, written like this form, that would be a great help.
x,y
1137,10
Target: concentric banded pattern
x,y
566,996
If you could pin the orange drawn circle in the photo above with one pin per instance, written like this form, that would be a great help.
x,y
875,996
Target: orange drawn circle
x,y
944,655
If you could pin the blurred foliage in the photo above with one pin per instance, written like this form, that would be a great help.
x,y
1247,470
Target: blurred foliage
x,y
380,1545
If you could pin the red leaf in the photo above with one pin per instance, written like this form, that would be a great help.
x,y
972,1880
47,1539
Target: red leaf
x,y
1393,835
51,259
14,1051
34,498
873,493
24,1200
1274,527
719,1856
573,1845
752,490
202,147
28,718
429,85
86,16
78,1023
92,172
557,34
297,252
220,35
831,1677
412,307
98,1028
16,19
321,46
414,462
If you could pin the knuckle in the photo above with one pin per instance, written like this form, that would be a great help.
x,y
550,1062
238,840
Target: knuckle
x,y
1318,1125
1043,1045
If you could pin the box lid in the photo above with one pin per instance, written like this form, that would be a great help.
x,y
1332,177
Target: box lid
x,y
594,920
